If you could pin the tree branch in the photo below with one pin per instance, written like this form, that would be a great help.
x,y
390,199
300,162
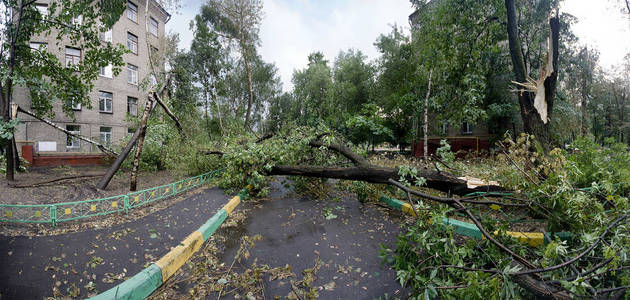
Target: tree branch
x,y
100,146
343,150
168,112
570,261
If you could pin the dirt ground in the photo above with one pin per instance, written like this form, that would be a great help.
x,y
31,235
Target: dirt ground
x,y
73,189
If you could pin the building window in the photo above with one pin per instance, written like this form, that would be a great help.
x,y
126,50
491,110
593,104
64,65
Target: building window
x,y
132,12
466,128
106,71
105,102
153,26
76,106
132,106
42,8
38,46
73,56
131,130
106,135
73,142
444,128
132,74
107,35
132,43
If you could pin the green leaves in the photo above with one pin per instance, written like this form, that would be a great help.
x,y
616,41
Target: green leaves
x,y
8,128
48,78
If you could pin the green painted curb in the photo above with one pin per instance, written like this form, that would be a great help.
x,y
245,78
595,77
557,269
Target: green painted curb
x,y
143,284
463,228
395,203
139,286
212,224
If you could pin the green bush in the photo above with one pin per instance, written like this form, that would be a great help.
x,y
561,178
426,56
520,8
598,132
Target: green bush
x,y
154,151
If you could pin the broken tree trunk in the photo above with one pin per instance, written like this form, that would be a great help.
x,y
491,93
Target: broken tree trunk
x,y
100,146
169,113
143,130
102,184
364,171
441,181
535,97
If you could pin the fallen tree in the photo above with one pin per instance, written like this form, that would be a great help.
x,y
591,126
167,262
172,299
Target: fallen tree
x,y
138,138
556,271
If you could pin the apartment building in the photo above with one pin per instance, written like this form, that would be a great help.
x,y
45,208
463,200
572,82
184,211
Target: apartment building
x,y
113,99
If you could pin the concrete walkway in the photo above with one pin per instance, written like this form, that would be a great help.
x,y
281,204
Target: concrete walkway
x,y
83,263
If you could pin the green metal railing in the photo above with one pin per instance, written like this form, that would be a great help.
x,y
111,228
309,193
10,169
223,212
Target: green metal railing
x,y
68,211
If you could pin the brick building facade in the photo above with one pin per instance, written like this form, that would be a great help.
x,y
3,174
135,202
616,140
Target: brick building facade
x,y
113,98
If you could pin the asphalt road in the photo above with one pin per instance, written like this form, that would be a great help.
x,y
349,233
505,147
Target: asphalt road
x,y
31,267
342,233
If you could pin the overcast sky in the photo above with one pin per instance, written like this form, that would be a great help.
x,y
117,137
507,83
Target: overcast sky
x,y
292,29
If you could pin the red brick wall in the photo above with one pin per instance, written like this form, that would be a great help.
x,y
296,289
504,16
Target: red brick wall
x,y
472,144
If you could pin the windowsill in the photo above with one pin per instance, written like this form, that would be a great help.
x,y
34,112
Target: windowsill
x,y
110,77
136,21
106,112
134,84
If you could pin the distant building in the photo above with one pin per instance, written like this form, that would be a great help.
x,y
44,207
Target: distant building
x,y
113,97
462,137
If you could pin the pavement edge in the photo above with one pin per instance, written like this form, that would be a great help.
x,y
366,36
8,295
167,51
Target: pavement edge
x,y
151,278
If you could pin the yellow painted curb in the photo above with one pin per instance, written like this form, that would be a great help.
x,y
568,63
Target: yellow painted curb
x,y
171,262
229,207
406,208
532,238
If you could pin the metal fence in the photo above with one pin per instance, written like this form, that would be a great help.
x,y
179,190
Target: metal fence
x,y
68,211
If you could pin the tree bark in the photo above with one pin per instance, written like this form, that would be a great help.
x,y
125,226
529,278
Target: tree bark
x,y
532,121
441,181
8,93
426,116
143,130
250,100
169,113
102,184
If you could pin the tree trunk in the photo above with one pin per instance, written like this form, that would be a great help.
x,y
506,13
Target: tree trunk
x,y
250,100
102,184
13,39
216,103
206,111
16,156
6,117
426,116
143,130
584,122
168,111
584,129
532,119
